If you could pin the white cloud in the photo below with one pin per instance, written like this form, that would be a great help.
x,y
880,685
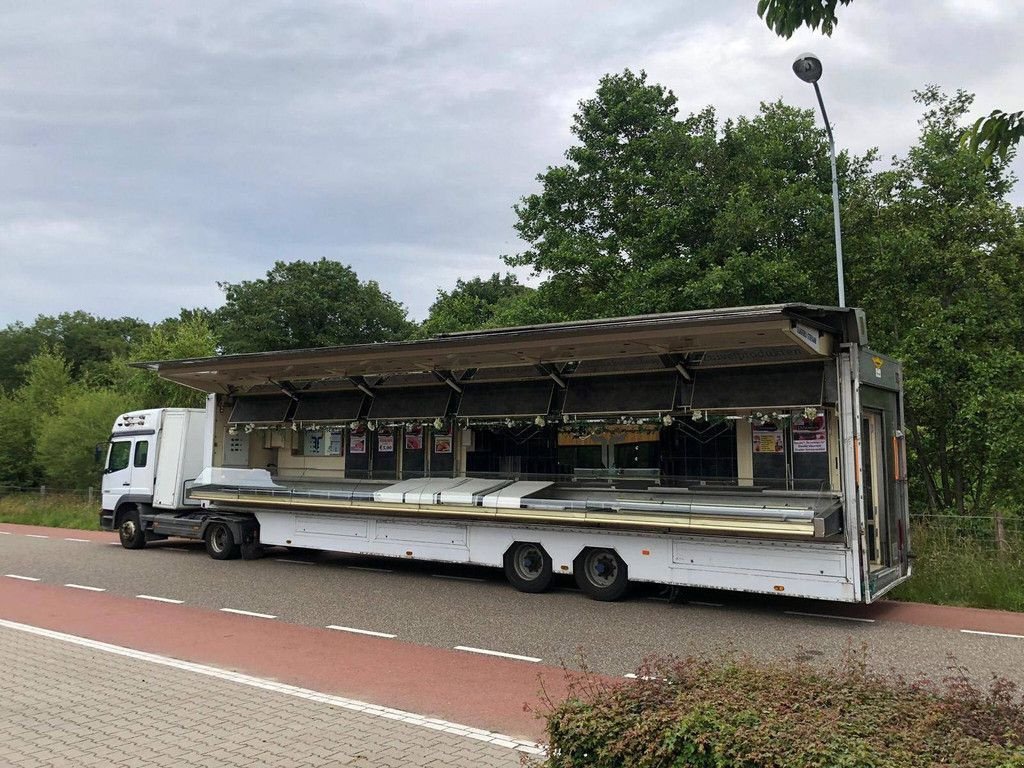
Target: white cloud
x,y
168,147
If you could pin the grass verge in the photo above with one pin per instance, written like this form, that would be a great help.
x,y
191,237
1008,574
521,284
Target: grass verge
x,y
741,713
957,570
54,510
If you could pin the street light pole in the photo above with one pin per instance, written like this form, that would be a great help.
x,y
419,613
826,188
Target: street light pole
x,y
808,68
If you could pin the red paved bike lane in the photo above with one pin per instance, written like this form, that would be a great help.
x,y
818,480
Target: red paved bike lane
x,y
480,691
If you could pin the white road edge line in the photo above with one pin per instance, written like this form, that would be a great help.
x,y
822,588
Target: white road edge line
x,y
373,710
368,568
991,634
297,562
160,599
21,578
86,587
504,655
830,616
37,536
249,613
456,578
360,631
68,538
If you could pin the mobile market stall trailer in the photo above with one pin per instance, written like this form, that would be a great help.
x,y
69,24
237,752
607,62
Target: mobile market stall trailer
x,y
756,448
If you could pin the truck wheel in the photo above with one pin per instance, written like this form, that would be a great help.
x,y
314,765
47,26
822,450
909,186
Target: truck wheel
x,y
601,574
528,567
220,543
130,530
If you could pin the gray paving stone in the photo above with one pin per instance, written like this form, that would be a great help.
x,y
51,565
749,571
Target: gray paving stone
x,y
62,704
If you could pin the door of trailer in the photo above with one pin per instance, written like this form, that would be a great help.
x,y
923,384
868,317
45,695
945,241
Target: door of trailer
x,y
885,532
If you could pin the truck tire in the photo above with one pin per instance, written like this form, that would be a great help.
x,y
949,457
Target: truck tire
x,y
130,531
528,567
220,542
601,574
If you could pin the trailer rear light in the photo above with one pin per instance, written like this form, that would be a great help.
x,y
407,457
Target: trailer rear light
x,y
779,588
645,551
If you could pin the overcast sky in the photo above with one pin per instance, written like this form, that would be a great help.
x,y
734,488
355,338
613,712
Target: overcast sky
x,y
148,150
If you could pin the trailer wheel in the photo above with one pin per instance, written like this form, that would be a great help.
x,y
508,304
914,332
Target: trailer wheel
x,y
130,530
220,543
601,574
528,567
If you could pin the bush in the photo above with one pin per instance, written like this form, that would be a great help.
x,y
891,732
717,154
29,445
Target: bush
x,y
733,713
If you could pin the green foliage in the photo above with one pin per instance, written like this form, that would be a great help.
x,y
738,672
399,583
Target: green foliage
x,y
653,213
52,510
785,17
996,134
306,304
174,339
740,713
951,568
87,343
47,378
938,253
66,440
472,304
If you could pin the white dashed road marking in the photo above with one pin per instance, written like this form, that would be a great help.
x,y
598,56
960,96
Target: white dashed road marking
x,y
86,587
68,538
36,536
21,578
829,616
249,613
496,653
160,599
361,631
991,634
372,710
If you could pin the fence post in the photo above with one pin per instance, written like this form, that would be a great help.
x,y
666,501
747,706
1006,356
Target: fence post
x,y
90,495
42,490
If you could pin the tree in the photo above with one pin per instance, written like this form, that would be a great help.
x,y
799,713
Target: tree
x,y
654,213
306,304
86,342
67,438
942,292
991,136
175,338
47,378
472,304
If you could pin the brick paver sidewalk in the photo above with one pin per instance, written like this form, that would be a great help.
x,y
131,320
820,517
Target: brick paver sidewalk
x,y
66,705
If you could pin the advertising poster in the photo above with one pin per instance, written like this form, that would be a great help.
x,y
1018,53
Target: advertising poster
x,y
442,443
385,442
414,439
357,442
809,434
769,439
334,443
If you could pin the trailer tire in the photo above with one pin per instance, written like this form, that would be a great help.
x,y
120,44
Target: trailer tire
x,y
528,567
130,529
220,542
601,574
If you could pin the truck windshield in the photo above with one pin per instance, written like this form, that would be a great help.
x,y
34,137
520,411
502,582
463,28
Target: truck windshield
x,y
120,450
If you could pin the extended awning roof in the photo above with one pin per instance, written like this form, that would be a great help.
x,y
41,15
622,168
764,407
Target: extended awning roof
x,y
790,331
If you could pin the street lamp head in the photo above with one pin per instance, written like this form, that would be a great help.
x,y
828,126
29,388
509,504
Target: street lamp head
x,y
807,67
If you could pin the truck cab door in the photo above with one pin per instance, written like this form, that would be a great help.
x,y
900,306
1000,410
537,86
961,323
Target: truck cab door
x,y
117,474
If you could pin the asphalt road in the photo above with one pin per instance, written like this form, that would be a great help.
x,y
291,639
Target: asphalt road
x,y
448,606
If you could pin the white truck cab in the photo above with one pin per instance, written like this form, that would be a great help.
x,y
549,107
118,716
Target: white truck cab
x,y
152,459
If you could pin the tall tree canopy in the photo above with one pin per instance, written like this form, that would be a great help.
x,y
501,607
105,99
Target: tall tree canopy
x,y
473,303
306,304
654,213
